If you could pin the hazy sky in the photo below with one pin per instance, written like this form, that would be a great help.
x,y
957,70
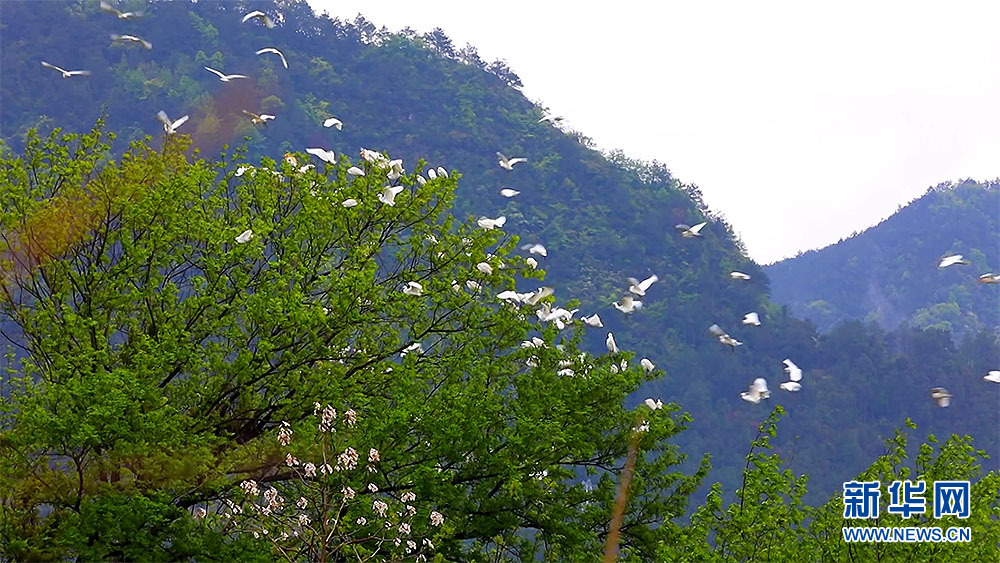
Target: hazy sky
x,y
801,123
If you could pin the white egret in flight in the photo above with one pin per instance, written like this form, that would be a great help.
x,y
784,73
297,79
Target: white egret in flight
x,y
535,249
539,294
739,276
989,278
258,119
627,304
487,223
751,318
507,192
690,232
508,163
993,376
593,320
66,73
639,287
334,122
724,338
258,14
121,15
951,260
794,376
757,391
131,39
225,77
941,395
276,52
323,154
388,195
170,127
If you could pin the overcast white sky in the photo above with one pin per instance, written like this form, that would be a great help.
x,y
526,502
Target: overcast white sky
x,y
800,122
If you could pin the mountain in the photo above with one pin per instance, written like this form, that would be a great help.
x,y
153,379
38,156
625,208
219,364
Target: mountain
x,y
888,273
602,217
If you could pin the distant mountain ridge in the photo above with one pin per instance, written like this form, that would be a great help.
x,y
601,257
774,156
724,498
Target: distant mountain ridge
x,y
889,273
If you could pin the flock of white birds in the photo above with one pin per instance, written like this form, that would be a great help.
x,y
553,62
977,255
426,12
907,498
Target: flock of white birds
x,y
559,316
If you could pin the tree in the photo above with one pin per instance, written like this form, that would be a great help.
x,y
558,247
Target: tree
x,y
191,309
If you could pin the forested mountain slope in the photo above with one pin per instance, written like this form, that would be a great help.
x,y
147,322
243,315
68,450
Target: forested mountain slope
x,y
601,217
888,273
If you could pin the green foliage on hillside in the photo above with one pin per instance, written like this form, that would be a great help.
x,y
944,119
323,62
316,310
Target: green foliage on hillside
x,y
889,273
602,216
222,361
193,310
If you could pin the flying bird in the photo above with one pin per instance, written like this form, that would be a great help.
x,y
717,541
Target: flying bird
x,y
535,249
225,77
388,195
258,14
413,288
121,15
941,395
627,304
508,163
487,223
276,52
593,320
66,73
258,119
989,278
323,154
245,236
739,276
757,391
639,287
951,260
539,294
794,376
611,344
551,119
131,39
724,338
334,122
171,126
751,319
993,376
793,371
507,192
690,232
